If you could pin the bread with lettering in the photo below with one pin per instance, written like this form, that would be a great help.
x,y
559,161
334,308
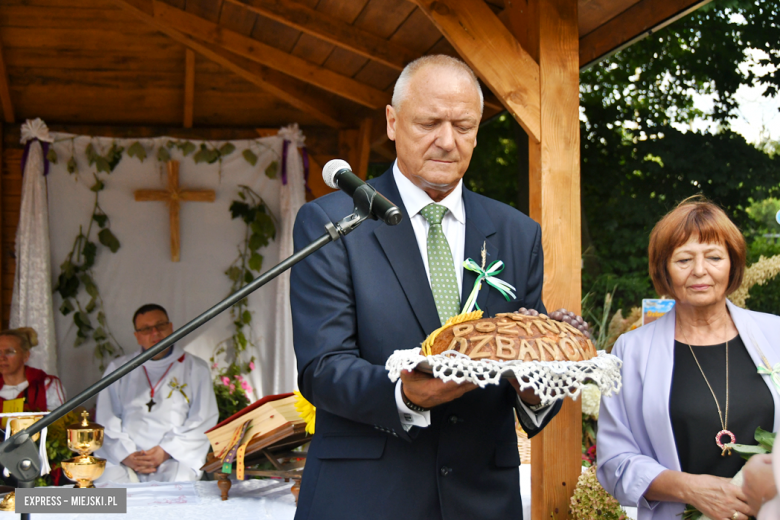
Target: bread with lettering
x,y
511,337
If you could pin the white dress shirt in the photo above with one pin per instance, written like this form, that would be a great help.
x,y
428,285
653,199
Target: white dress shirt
x,y
454,226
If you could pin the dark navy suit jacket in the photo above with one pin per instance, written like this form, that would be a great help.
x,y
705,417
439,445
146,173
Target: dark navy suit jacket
x,y
354,303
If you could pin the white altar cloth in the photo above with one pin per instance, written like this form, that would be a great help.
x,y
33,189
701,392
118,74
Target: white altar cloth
x,y
268,499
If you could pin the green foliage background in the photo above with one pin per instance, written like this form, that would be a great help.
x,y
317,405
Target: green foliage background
x,y
638,161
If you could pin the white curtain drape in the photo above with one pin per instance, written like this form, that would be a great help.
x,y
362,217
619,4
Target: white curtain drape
x,y
141,271
31,304
292,198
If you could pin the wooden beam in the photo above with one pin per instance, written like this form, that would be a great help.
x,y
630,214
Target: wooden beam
x,y
364,147
332,30
3,174
556,451
273,82
189,87
635,23
269,56
5,91
495,55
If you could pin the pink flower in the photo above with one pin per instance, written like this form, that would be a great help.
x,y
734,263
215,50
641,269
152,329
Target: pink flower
x,y
225,380
239,377
246,386
214,366
251,365
232,388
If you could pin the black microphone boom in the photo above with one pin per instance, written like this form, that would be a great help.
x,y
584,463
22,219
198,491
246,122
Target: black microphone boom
x,y
338,175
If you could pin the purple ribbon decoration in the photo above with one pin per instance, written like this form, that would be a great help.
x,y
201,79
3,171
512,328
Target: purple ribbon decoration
x,y
45,147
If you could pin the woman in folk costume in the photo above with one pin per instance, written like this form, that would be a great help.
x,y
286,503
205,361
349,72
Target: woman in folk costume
x,y
41,391
693,381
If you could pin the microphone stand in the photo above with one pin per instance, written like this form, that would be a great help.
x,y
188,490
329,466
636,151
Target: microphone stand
x,y
18,453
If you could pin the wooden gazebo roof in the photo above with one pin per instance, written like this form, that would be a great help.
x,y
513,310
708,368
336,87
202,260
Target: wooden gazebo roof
x,y
251,63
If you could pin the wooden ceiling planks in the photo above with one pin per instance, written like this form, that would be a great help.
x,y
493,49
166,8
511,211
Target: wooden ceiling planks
x,y
130,71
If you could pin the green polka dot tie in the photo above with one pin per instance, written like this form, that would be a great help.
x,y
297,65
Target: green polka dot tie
x,y
444,284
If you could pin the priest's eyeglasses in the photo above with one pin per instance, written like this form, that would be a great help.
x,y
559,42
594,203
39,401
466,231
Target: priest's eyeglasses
x,y
160,327
11,352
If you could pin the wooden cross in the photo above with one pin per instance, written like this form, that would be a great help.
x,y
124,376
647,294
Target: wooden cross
x,y
174,196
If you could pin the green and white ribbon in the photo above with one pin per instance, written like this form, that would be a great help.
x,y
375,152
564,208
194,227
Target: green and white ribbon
x,y
489,276
774,374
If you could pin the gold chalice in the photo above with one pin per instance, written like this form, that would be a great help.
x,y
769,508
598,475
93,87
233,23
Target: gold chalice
x,y
18,424
84,437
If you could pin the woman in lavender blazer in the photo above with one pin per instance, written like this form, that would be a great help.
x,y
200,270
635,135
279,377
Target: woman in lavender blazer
x,y
657,438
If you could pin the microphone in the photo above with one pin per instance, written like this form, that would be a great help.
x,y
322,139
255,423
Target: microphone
x,y
338,175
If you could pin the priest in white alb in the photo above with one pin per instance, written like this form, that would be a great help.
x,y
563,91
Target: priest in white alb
x,y
155,417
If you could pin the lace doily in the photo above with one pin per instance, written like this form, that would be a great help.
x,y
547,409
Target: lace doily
x,y
550,380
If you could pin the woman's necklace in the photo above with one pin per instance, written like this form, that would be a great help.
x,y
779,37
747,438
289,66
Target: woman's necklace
x,y
724,423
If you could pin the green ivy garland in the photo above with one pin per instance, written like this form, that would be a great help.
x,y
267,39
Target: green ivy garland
x,y
76,271
259,231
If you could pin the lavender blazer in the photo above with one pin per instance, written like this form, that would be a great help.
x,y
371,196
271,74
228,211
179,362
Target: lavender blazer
x,y
635,439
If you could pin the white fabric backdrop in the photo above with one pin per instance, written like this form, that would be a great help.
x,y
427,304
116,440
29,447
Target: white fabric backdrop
x,y
142,272
31,303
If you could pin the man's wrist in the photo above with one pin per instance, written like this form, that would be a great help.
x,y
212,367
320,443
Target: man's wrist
x,y
409,404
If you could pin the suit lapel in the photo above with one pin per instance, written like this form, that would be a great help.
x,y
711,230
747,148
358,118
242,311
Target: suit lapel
x,y
479,227
400,247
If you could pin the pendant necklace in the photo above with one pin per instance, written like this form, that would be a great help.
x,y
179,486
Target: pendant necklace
x,y
726,450
152,388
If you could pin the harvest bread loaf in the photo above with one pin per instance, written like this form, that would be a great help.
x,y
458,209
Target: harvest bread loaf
x,y
510,337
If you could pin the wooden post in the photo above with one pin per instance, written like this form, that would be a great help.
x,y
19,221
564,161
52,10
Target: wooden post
x,y
554,164
355,147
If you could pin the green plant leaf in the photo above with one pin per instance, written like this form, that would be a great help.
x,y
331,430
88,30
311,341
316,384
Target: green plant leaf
x,y
100,219
89,285
67,286
51,155
255,262
272,170
89,252
163,155
102,164
239,209
91,305
765,439
250,157
226,149
186,147
248,277
234,273
102,319
100,335
79,340
98,186
81,319
66,307
108,239
246,317
137,150
257,241
114,156
90,152
67,268
72,166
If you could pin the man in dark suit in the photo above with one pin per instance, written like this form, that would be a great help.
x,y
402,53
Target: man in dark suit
x,y
420,448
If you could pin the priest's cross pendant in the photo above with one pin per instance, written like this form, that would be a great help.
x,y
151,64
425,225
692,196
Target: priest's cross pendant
x,y
150,404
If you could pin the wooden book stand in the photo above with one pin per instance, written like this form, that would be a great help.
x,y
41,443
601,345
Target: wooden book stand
x,y
275,446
